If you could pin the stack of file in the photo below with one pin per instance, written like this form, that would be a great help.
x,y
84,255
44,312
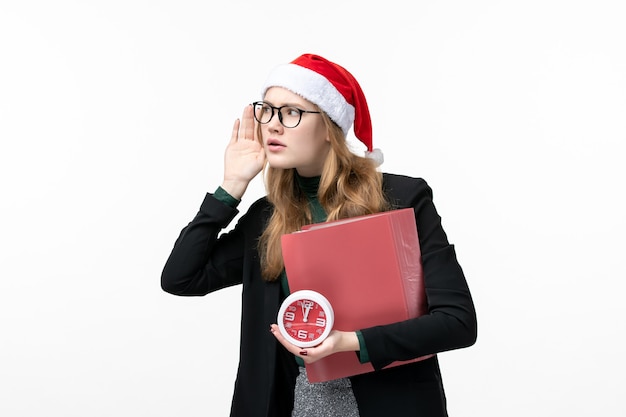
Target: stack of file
x,y
368,267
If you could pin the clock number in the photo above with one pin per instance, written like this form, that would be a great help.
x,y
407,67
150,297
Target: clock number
x,y
320,322
290,316
302,334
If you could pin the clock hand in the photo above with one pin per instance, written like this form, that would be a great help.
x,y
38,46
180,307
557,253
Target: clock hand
x,y
306,308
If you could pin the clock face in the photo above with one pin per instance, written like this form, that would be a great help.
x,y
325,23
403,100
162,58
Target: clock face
x,y
305,318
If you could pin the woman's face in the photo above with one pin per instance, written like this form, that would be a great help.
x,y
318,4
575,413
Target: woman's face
x,y
304,147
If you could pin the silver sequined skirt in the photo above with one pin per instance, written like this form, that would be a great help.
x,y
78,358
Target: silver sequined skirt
x,y
323,399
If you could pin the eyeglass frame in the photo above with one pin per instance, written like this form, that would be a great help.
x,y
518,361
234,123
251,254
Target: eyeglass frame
x,y
277,110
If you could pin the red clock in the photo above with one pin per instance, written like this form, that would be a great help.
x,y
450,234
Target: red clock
x,y
305,318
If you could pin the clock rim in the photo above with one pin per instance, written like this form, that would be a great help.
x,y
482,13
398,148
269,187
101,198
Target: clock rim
x,y
307,295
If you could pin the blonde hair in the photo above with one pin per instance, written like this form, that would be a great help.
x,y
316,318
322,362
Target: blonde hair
x,y
350,185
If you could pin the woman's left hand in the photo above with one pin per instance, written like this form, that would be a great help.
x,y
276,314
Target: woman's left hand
x,y
337,341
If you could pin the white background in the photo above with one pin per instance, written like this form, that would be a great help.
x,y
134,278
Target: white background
x,y
113,120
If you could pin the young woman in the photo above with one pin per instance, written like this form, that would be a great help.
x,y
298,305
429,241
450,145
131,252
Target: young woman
x,y
298,134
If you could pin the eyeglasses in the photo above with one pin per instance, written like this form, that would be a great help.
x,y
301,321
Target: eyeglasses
x,y
288,116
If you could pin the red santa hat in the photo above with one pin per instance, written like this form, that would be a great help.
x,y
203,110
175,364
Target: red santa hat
x,y
333,89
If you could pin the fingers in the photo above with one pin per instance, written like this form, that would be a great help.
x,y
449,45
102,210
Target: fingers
x,y
235,134
246,129
290,347
307,354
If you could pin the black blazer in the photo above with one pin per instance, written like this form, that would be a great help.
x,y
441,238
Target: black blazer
x,y
203,261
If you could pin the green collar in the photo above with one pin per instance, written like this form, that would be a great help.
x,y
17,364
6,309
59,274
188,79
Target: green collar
x,y
310,186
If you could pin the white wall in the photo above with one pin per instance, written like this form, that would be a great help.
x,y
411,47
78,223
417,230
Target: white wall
x,y
113,120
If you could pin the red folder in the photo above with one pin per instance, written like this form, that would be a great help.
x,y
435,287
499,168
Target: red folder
x,y
369,267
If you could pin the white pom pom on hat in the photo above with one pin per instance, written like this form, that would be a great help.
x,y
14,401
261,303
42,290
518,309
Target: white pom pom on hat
x,y
333,89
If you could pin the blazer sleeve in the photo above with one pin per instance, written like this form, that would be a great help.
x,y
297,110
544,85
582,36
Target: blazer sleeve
x,y
451,320
202,260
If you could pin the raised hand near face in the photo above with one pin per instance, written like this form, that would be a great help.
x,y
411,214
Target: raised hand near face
x,y
244,157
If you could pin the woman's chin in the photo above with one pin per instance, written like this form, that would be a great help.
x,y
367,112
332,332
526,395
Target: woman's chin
x,y
278,163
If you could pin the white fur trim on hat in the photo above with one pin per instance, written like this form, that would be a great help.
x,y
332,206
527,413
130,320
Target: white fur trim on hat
x,y
376,155
315,88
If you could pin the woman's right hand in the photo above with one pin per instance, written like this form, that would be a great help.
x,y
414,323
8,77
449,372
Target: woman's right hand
x,y
244,157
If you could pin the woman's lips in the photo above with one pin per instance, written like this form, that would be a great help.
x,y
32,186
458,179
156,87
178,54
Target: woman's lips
x,y
274,145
